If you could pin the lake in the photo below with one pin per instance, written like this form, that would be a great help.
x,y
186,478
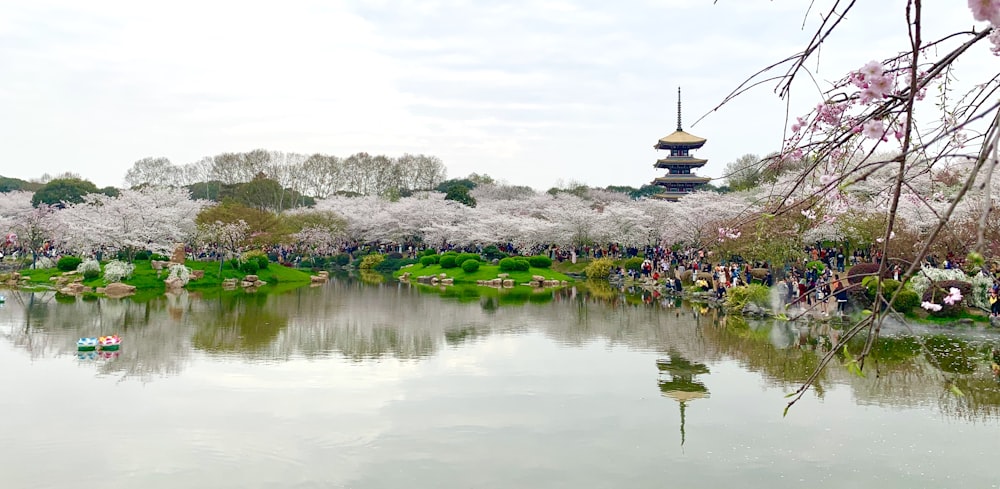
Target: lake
x,y
388,385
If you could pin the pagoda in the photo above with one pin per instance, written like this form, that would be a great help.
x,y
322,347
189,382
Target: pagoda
x,y
680,179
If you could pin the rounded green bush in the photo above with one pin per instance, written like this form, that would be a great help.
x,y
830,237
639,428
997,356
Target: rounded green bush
x,y
342,259
539,261
508,265
68,263
522,264
249,267
633,264
142,255
463,257
906,301
429,252
428,260
470,266
448,261
91,274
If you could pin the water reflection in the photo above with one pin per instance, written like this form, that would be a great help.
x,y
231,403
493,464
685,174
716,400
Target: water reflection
x,y
389,320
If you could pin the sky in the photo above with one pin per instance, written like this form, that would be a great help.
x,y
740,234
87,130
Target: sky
x,y
540,93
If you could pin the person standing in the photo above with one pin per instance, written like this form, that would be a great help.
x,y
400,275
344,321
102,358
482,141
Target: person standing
x,y
840,292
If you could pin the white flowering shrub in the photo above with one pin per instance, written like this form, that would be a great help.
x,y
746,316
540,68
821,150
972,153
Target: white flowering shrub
x,y
89,268
117,270
180,271
979,297
43,262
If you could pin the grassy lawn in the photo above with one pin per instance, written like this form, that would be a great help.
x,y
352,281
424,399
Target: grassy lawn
x,y
921,316
146,279
485,272
570,267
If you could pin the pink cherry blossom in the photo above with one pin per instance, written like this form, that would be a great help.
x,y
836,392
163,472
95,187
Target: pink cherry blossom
x,y
930,306
986,10
872,69
954,296
874,130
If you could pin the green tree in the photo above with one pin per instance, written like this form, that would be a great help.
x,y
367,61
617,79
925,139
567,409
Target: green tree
x,y
744,173
460,193
60,190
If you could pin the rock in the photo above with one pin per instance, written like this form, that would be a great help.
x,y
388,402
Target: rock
x,y
326,274
197,274
434,280
537,278
117,290
508,283
74,289
447,281
259,283
157,264
67,274
995,321
251,278
99,290
173,283
479,282
15,276
179,255
966,322
317,279
443,275
246,284
563,283
229,281
503,275
405,277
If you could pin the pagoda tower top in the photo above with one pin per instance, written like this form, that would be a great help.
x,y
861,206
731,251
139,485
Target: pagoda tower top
x,y
679,139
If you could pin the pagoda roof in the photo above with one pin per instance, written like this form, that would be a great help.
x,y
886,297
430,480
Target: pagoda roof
x,y
679,161
681,179
679,139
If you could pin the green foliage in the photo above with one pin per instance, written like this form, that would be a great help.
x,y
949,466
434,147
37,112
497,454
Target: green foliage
x,y
446,185
90,269
258,257
69,190
599,268
870,284
390,265
906,301
491,252
514,265
249,267
341,259
463,257
816,265
369,262
460,194
738,297
8,184
634,264
448,261
539,261
429,252
858,272
142,255
470,266
69,263
428,260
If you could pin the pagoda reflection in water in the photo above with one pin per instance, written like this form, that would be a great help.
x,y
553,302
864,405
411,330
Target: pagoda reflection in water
x,y
677,382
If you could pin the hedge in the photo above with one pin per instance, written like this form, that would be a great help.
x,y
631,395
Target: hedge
x,y
539,261
470,266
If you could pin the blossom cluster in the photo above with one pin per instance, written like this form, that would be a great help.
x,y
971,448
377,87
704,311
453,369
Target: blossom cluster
x,y
728,233
116,270
988,11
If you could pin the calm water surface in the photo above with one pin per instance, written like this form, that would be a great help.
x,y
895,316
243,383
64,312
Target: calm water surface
x,y
351,385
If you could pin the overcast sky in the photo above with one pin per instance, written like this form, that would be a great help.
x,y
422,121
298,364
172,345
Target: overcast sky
x,y
532,92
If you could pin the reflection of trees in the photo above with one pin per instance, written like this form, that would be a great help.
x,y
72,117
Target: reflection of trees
x,y
358,321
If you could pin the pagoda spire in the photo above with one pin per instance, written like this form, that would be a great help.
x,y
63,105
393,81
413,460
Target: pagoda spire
x,y
679,109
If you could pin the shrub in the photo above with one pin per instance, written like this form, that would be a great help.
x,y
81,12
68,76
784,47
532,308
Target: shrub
x,y
180,271
142,255
491,252
43,262
522,265
906,301
428,260
429,252
247,267
508,265
320,261
369,262
258,257
539,261
463,257
234,263
117,270
395,256
470,266
870,284
392,264
937,292
342,259
158,257
89,269
306,263
69,263
599,268
816,265
738,297
448,261
633,264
